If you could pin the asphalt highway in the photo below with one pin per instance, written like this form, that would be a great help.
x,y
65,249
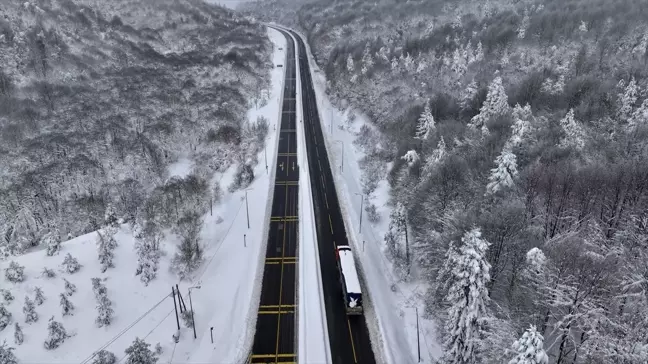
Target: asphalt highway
x,y
274,339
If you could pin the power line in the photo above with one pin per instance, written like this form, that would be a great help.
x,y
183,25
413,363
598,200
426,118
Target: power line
x,y
150,332
86,360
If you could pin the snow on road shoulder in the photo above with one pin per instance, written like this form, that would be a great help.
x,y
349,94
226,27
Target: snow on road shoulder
x,y
395,302
313,342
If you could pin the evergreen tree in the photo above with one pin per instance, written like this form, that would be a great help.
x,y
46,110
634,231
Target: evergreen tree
x,y
66,306
39,297
411,157
459,65
56,335
394,64
29,309
467,297
479,54
367,60
627,100
15,273
110,217
574,133
104,357
524,25
521,125
395,236
189,254
425,123
48,273
19,337
6,354
468,94
496,104
52,242
7,296
106,245
5,317
639,116
158,349
529,349
349,64
148,252
502,176
104,305
70,288
139,353
71,264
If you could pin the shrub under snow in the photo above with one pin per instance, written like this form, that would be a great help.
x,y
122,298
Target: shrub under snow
x,y
15,273
71,264
56,335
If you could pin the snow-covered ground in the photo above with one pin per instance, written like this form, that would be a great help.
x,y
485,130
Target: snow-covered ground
x,y
229,278
313,336
396,302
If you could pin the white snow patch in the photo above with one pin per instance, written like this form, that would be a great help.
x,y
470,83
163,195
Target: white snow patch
x,y
181,168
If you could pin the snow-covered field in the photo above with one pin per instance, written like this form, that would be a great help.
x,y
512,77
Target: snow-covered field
x,y
228,278
395,302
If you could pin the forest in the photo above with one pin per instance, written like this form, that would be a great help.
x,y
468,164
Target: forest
x,y
98,99
513,136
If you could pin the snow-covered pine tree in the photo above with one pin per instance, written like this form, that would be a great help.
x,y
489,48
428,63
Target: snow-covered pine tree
x,y
7,296
395,236
425,123
467,297
411,157
19,337
479,53
70,264
52,242
367,60
15,273
104,357
110,217
582,27
106,245
496,104
627,100
408,62
70,288
5,317
56,334
139,353
39,297
189,253
29,309
524,25
459,65
435,158
349,64
521,125
394,64
502,176
148,259
529,349
468,94
639,116
66,306
48,273
574,133
158,349
6,354
104,305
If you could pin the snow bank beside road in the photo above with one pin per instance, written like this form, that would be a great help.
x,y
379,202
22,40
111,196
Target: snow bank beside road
x,y
396,303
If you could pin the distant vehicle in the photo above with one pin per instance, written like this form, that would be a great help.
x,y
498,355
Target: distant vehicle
x,y
281,48
279,65
349,280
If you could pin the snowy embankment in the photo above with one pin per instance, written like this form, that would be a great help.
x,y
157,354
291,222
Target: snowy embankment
x,y
395,302
313,336
229,278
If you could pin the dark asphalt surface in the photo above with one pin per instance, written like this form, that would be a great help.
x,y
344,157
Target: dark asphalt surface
x,y
348,335
274,339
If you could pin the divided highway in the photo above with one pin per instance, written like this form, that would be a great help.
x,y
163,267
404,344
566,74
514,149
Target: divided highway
x,y
348,335
274,339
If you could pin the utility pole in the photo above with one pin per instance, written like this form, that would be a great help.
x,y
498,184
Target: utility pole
x,y
180,300
193,322
361,203
331,121
342,162
247,211
407,253
244,241
418,336
175,307
211,333
265,154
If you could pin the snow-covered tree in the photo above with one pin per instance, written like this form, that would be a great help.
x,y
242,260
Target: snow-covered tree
x,y
434,158
521,125
627,100
574,133
104,357
422,65
639,116
367,60
110,217
189,253
411,157
503,175
158,349
394,64
29,309
468,94
6,354
467,297
459,65
56,334
395,238
19,337
15,273
552,87
7,296
66,306
349,64
524,25
147,248
39,297
48,273
5,317
479,53
496,104
529,349
408,62
140,353
106,245
70,288
104,305
425,123
52,242
70,264
582,27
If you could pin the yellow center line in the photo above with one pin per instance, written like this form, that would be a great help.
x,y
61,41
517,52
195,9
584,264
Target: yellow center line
x,y
355,359
326,199
283,255
330,224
